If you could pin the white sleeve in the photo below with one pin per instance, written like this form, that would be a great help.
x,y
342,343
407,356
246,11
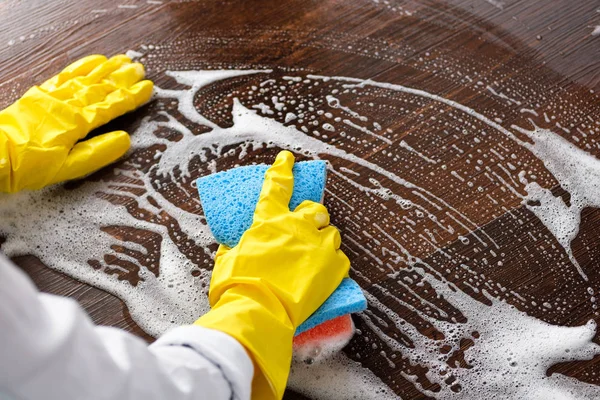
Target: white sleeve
x,y
50,349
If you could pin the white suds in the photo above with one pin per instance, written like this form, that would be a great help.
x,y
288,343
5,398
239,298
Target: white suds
x,y
338,378
511,350
577,171
412,150
133,54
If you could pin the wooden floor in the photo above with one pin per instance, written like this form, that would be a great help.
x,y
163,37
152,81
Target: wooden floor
x,y
516,62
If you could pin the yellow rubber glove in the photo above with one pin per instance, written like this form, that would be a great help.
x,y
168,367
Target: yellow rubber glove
x,y
284,267
39,133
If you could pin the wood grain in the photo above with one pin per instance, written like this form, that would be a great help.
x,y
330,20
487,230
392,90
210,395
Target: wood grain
x,y
548,59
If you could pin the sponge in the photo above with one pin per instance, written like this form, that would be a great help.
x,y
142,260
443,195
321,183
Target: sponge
x,y
348,298
324,339
229,199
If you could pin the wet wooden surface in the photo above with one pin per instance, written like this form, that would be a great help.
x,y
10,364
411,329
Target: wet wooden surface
x,y
544,53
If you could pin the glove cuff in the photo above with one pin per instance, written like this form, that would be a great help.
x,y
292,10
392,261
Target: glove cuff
x,y
263,327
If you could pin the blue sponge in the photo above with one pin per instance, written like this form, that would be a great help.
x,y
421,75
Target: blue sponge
x,y
229,199
347,299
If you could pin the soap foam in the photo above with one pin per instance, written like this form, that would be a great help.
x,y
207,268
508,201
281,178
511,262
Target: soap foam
x,y
338,377
577,171
511,354
323,340
512,350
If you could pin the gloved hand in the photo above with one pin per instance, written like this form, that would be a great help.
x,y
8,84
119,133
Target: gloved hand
x,y
39,133
284,267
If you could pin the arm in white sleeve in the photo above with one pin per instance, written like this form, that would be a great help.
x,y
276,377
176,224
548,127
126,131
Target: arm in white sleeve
x,y
49,349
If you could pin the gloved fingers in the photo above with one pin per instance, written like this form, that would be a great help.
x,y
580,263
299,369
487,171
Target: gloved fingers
x,y
92,154
93,88
127,75
277,188
78,95
344,263
221,251
332,235
93,94
106,68
67,90
118,102
315,213
141,92
81,67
